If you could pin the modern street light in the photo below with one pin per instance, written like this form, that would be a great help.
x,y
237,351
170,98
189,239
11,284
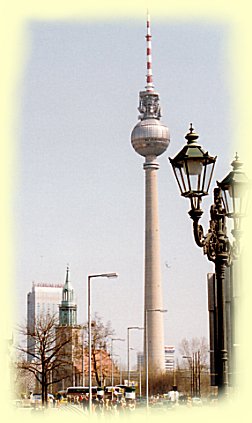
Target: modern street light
x,y
193,169
148,310
140,378
195,372
112,363
120,367
190,359
83,358
128,373
128,332
99,275
102,347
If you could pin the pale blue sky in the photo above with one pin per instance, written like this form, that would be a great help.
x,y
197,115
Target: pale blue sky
x,y
80,192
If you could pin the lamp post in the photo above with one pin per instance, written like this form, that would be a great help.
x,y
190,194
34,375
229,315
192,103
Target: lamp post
x,y
140,378
129,372
99,275
190,359
128,349
193,169
199,372
112,363
83,359
148,310
120,368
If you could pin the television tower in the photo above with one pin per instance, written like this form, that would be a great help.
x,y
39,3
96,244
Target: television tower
x,y
150,138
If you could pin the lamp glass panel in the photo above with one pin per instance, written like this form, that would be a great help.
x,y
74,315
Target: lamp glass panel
x,y
194,167
227,201
181,179
207,177
195,183
192,179
239,196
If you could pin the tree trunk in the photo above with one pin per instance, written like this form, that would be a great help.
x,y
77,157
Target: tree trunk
x,y
96,369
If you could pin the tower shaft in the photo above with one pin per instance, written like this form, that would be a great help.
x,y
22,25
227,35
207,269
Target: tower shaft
x,y
150,138
153,283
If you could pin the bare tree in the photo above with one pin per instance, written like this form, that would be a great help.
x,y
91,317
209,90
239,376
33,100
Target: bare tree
x,y
195,351
23,380
48,355
101,362
188,347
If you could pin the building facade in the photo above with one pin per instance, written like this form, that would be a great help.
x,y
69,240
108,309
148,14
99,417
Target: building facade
x,y
169,358
43,299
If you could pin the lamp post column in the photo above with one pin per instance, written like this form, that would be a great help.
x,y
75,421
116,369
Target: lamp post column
x,y
89,347
100,275
190,359
112,362
222,359
128,329
83,359
220,258
128,348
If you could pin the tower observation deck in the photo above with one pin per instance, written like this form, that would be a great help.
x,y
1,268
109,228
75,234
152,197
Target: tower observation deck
x,y
150,138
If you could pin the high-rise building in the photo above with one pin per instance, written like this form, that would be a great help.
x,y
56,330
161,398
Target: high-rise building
x,y
150,138
43,299
140,361
169,358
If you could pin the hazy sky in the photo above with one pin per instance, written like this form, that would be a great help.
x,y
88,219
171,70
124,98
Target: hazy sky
x,y
80,192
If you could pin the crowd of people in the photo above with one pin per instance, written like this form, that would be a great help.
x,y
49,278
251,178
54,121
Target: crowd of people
x,y
114,402
100,404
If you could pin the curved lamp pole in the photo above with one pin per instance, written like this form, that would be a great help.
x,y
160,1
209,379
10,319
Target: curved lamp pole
x,y
99,275
193,169
148,310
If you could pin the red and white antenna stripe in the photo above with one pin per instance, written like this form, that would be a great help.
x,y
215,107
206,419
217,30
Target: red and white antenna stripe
x,y
149,86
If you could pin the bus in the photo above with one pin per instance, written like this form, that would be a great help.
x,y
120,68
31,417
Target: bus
x,y
129,391
74,391
111,391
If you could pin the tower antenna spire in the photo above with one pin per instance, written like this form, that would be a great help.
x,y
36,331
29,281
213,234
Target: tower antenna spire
x,y
149,79
150,138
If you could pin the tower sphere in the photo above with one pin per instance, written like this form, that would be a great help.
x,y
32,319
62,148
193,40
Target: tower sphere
x,y
150,137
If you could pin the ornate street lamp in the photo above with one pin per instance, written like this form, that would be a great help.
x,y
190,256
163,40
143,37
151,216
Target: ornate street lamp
x,y
193,168
235,191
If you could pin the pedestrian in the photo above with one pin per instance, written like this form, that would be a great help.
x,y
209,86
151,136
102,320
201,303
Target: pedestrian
x,y
85,402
